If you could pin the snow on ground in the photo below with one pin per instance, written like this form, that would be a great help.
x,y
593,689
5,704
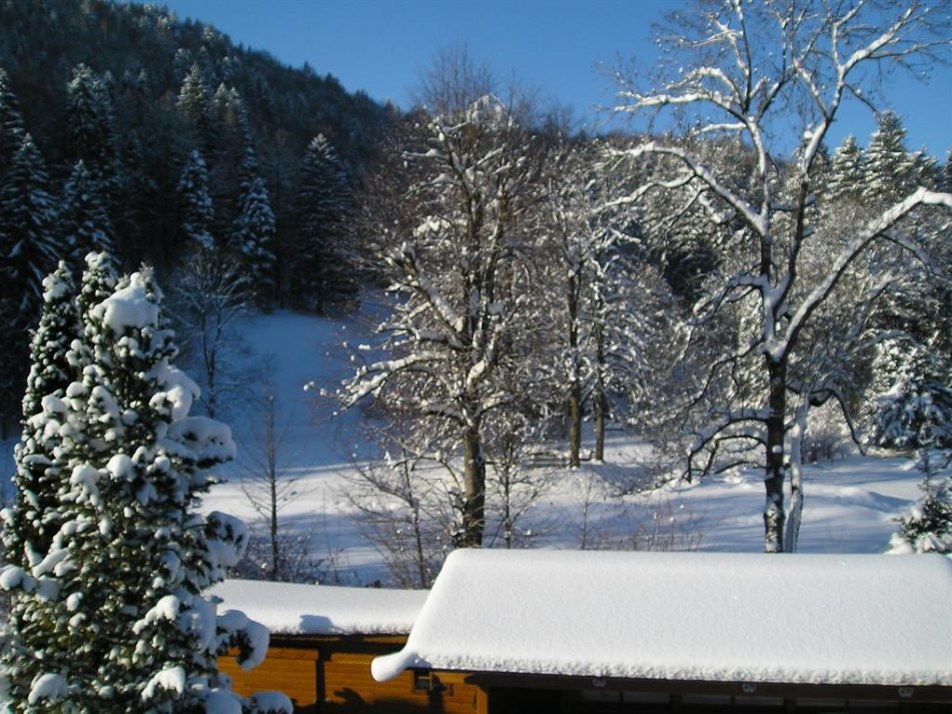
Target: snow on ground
x,y
850,503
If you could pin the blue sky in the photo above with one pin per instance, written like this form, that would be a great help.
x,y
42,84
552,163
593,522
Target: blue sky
x,y
561,47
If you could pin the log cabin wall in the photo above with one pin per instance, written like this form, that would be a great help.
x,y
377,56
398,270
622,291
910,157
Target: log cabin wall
x,y
291,669
332,674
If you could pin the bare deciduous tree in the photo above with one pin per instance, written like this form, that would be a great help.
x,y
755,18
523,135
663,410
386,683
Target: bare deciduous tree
x,y
750,75
461,286
267,486
210,296
403,505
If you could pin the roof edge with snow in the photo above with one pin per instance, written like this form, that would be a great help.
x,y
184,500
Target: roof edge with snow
x,y
715,617
298,609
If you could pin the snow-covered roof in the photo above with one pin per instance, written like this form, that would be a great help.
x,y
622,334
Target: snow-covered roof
x,y
287,608
718,617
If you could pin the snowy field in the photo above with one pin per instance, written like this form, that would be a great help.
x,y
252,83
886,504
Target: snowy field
x,y
849,508
850,503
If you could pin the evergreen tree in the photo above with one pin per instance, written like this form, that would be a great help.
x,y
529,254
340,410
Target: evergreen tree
x,y
890,172
323,271
230,140
28,251
927,526
197,210
917,412
194,103
230,111
89,121
118,620
84,221
92,139
98,282
848,171
914,306
38,474
912,396
945,177
33,520
27,246
11,123
254,231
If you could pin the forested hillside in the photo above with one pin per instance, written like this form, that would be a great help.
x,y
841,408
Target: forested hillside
x,y
126,129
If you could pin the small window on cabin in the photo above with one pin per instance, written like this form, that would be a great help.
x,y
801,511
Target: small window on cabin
x,y
425,681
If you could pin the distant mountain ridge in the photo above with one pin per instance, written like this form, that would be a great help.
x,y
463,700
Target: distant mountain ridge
x,y
146,47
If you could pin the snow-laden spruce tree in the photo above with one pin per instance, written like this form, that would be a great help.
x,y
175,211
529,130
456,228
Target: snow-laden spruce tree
x,y
33,519
926,527
11,122
28,245
754,80
847,175
325,275
91,133
913,410
255,230
28,251
195,104
912,396
197,210
111,615
84,220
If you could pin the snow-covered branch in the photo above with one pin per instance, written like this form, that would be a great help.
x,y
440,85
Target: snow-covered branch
x,y
878,228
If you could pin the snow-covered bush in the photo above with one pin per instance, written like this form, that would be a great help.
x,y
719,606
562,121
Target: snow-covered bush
x,y
927,526
914,406
914,411
107,557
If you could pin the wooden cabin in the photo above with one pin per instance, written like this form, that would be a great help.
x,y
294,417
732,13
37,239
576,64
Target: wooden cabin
x,y
609,633
323,639
605,633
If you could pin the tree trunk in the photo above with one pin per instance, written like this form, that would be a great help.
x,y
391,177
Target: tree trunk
x,y
271,456
273,530
210,357
795,510
414,504
474,497
575,388
774,467
599,398
575,423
